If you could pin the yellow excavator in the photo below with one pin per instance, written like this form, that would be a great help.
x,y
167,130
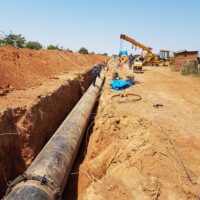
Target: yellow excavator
x,y
150,58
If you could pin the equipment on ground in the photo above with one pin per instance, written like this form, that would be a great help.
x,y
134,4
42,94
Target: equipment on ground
x,y
150,58
137,64
157,105
123,56
120,84
130,78
115,76
126,98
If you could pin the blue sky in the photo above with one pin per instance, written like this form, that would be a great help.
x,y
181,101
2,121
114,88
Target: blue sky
x,y
97,24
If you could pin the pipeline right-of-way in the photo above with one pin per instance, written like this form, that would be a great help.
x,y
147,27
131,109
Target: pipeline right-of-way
x,y
46,177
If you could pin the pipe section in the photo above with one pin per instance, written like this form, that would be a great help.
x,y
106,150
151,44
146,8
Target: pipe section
x,y
52,166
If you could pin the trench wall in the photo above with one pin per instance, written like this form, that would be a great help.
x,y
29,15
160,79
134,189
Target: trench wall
x,y
34,125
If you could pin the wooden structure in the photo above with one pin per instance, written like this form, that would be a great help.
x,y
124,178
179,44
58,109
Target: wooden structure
x,y
181,56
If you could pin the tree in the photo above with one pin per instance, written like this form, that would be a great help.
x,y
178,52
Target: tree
x,y
54,47
105,54
83,50
69,50
92,52
33,45
15,40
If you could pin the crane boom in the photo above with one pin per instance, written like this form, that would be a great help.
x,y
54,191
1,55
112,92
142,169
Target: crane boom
x,y
143,47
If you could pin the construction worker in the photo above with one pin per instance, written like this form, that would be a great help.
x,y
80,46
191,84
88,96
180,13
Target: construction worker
x,y
95,73
130,61
99,67
106,65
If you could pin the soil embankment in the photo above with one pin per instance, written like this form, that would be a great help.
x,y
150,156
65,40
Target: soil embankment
x,y
24,68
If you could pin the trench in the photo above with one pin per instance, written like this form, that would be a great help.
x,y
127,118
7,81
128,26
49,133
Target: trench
x,y
24,131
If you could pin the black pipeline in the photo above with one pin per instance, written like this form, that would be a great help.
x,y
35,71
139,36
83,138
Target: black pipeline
x,y
46,177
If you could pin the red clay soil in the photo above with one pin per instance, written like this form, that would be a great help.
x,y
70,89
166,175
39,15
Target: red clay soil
x,y
24,68
38,88
136,151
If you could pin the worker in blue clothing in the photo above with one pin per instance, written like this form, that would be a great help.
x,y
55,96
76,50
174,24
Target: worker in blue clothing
x,y
95,73
99,70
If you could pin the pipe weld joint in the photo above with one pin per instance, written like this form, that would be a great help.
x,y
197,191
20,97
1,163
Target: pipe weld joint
x,y
42,179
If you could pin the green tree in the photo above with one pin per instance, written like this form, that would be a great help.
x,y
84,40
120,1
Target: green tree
x,y
33,45
92,52
55,47
15,40
105,54
83,50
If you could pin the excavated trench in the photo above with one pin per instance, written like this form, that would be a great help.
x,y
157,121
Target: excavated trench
x,y
25,130
127,156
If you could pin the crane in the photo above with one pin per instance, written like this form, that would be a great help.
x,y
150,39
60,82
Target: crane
x,y
150,57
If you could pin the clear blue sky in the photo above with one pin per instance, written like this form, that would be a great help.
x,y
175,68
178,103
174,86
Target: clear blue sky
x,y
97,24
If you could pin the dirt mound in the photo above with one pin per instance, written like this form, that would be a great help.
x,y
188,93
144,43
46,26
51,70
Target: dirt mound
x,y
24,68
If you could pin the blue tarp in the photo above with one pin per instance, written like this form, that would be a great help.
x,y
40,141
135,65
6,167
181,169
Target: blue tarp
x,y
123,53
120,84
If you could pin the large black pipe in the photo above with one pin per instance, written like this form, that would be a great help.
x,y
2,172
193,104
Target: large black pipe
x,y
50,170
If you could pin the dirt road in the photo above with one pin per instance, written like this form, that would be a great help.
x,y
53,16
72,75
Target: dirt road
x,y
138,151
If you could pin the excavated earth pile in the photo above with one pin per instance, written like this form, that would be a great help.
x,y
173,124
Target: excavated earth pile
x,y
38,90
137,150
24,68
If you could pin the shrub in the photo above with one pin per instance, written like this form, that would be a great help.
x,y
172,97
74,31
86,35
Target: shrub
x,y
54,47
69,50
33,45
190,67
14,40
83,50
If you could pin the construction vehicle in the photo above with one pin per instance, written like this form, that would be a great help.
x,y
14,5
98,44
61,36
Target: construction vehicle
x,y
123,55
150,58
164,55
